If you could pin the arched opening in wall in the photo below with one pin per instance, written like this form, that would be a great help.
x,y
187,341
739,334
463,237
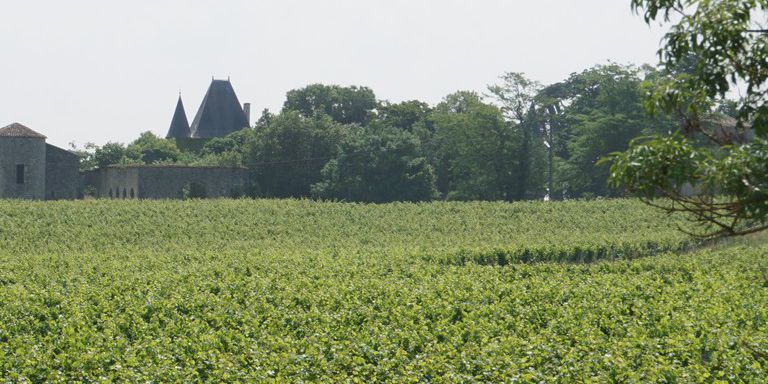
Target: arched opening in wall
x,y
110,193
124,194
133,195
194,190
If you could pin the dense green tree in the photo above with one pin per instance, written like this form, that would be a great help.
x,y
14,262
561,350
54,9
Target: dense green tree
x,y
378,167
403,115
724,44
345,105
530,142
288,152
602,112
115,153
154,149
265,118
476,149
227,151
234,142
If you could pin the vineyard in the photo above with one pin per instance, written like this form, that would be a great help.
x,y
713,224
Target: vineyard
x,y
302,291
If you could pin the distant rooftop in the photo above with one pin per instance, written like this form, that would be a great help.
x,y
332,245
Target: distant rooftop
x,y
220,112
179,125
18,130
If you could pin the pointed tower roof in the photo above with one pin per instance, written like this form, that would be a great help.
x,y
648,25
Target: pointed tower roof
x,y
220,112
179,124
18,130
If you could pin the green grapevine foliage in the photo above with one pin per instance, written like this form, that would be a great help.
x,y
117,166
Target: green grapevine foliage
x,y
301,291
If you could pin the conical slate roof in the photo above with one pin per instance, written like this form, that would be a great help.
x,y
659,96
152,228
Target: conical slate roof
x,y
18,130
179,124
220,113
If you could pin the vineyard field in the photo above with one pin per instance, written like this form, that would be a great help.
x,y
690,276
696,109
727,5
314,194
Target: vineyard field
x,y
303,291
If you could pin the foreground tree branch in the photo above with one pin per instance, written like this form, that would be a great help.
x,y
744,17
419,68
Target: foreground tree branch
x,y
716,173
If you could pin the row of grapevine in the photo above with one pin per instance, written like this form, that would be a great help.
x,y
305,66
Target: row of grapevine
x,y
521,231
300,291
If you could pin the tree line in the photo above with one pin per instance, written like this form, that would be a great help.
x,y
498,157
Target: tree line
x,y
518,140
671,131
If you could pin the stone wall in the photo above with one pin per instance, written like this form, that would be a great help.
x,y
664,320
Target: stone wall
x,y
166,182
62,174
29,153
113,182
172,182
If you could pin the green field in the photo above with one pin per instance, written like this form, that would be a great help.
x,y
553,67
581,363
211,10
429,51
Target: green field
x,y
301,291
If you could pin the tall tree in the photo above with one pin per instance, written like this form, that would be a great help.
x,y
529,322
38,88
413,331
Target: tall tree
x,y
584,118
517,98
476,149
603,114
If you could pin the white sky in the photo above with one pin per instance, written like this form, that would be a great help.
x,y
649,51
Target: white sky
x,y
98,71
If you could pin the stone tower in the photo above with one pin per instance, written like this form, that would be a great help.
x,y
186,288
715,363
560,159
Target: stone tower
x,y
22,163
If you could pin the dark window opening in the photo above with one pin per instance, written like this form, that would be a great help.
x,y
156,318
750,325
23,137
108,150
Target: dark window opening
x,y
20,171
110,193
124,194
133,195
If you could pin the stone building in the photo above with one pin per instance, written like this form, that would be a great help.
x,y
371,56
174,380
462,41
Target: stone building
x,y
62,174
32,169
166,182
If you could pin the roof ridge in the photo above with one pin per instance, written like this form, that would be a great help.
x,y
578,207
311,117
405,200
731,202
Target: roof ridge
x,y
19,130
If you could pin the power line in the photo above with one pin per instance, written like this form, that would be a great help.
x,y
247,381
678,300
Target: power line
x,y
351,154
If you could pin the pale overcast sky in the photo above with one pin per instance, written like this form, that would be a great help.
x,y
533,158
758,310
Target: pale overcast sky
x,y
104,71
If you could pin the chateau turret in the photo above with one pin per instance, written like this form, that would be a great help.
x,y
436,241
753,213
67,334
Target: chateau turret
x,y
220,112
179,124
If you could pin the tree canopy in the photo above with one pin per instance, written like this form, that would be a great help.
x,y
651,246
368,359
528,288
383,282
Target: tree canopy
x,y
521,140
345,105
378,167
289,151
713,165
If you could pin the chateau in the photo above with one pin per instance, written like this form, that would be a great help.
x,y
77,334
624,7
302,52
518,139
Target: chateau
x,y
32,169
